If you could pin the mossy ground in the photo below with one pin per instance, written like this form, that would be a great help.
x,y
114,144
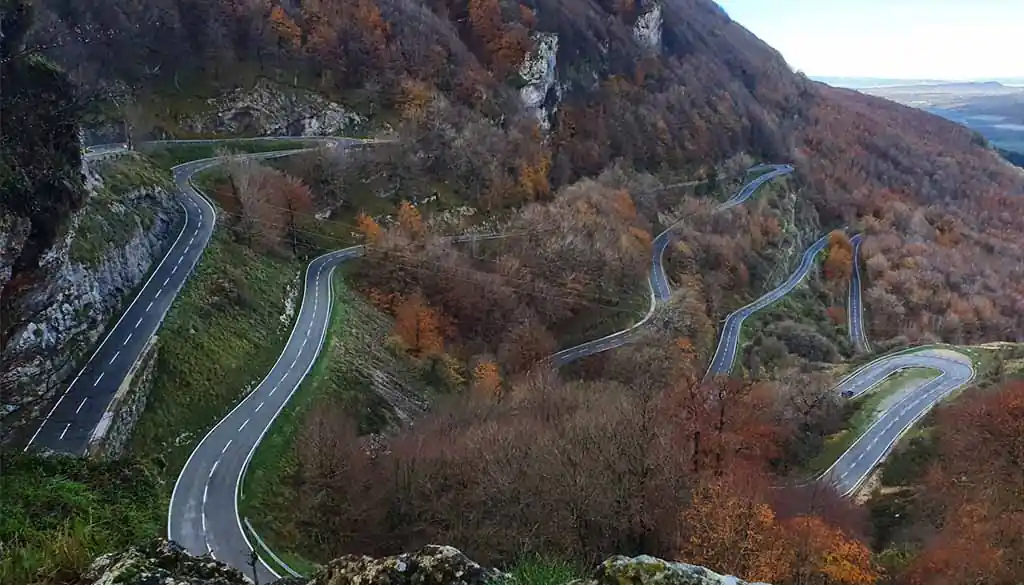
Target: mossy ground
x,y
57,514
536,570
110,217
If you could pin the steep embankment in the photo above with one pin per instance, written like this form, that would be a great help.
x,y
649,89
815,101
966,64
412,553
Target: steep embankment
x,y
83,280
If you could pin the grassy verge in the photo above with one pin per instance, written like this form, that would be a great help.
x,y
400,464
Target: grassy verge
x,y
535,570
223,333
57,514
862,414
355,348
169,155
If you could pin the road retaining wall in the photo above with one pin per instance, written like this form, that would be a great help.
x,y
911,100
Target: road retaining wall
x,y
111,436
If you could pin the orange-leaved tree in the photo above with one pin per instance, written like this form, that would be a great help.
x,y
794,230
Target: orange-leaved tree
x,y
289,33
409,220
820,553
839,262
419,326
369,228
731,526
978,484
486,379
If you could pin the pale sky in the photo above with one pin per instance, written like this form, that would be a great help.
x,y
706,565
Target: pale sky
x,y
904,39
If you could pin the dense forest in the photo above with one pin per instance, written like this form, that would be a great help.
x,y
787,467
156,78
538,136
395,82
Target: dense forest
x,y
628,456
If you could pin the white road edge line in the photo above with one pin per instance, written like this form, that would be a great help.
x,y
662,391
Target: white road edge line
x,y
99,347
316,354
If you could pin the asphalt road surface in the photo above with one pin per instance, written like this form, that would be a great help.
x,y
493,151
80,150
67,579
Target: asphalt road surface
x,y
854,304
203,515
71,422
914,401
657,280
728,341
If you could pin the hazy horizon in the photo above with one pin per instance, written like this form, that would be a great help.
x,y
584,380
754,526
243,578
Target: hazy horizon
x,y
889,39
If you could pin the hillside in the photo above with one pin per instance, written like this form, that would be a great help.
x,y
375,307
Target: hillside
x,y
580,129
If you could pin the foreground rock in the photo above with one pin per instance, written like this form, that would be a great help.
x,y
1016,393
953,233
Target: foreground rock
x,y
431,565
647,570
165,563
161,562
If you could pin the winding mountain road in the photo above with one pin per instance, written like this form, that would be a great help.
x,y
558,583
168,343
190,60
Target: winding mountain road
x,y
203,512
728,340
914,401
854,304
81,411
657,280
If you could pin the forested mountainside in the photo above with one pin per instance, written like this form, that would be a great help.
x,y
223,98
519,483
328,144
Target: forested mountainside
x,y
568,124
533,96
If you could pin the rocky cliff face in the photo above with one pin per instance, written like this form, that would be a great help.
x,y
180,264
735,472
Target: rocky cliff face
x,y
268,109
166,563
540,93
648,26
83,281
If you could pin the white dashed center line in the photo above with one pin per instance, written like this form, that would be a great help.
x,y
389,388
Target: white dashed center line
x,y
98,379
243,425
259,407
226,445
64,432
79,409
114,358
149,306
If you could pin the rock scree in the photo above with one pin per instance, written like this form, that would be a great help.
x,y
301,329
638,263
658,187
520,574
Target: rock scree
x,y
162,562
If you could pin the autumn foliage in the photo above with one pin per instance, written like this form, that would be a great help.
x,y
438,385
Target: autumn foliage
x,y
838,257
268,208
730,522
614,463
368,227
976,485
486,379
419,326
